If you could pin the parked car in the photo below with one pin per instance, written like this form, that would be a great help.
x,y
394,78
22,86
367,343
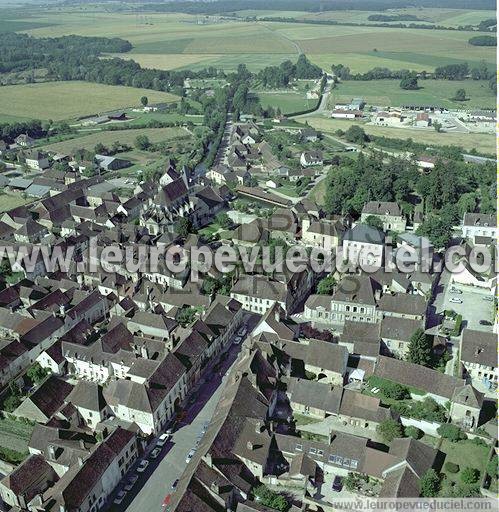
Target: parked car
x,y
191,453
174,485
155,453
337,483
205,427
242,331
488,298
237,340
167,500
455,290
119,498
485,322
455,300
143,466
162,440
169,431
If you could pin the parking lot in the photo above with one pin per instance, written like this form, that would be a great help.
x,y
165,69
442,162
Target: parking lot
x,y
473,304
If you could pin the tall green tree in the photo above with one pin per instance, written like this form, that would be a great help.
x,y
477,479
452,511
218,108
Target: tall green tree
x,y
429,484
420,348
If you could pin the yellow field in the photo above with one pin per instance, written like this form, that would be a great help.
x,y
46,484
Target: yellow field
x,y
170,41
482,142
67,100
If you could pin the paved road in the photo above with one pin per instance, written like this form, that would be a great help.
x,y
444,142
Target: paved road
x,y
155,483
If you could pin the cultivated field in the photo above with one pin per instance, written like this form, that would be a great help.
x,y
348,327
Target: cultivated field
x,y
437,92
67,100
481,142
108,137
169,41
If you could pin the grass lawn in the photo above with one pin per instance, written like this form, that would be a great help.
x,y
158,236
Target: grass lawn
x,y
301,419
481,142
439,92
318,192
465,454
9,201
107,137
142,119
67,100
14,435
288,190
288,102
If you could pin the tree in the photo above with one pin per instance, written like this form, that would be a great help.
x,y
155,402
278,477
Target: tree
x,y
186,316
451,432
144,100
184,227
394,390
326,286
460,95
451,467
270,498
437,229
420,348
409,83
374,222
356,134
142,142
429,484
37,374
100,149
470,476
437,126
389,430
483,41
223,220
413,432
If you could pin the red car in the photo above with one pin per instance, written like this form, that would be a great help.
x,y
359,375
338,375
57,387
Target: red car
x,y
166,501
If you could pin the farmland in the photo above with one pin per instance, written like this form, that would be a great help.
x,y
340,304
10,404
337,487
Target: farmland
x,y
108,137
435,92
169,41
288,102
66,100
481,142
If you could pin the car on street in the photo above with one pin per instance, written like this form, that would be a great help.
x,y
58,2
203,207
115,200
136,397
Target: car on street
x,y
142,466
485,322
162,440
155,453
237,340
191,453
167,500
337,483
455,290
455,300
205,427
169,431
174,485
488,298
119,498
242,331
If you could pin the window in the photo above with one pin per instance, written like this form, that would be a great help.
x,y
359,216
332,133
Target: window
x,y
320,453
299,448
346,462
354,463
313,450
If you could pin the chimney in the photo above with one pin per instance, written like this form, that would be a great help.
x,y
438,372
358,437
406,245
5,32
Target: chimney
x,y
258,427
82,444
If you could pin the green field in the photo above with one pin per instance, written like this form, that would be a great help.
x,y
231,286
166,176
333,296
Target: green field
x,y
67,100
288,102
15,435
481,142
439,92
108,137
170,41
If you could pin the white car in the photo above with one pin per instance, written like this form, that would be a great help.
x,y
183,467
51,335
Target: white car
x,y
455,300
488,298
163,438
242,331
191,453
119,498
143,466
155,453
237,340
455,290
